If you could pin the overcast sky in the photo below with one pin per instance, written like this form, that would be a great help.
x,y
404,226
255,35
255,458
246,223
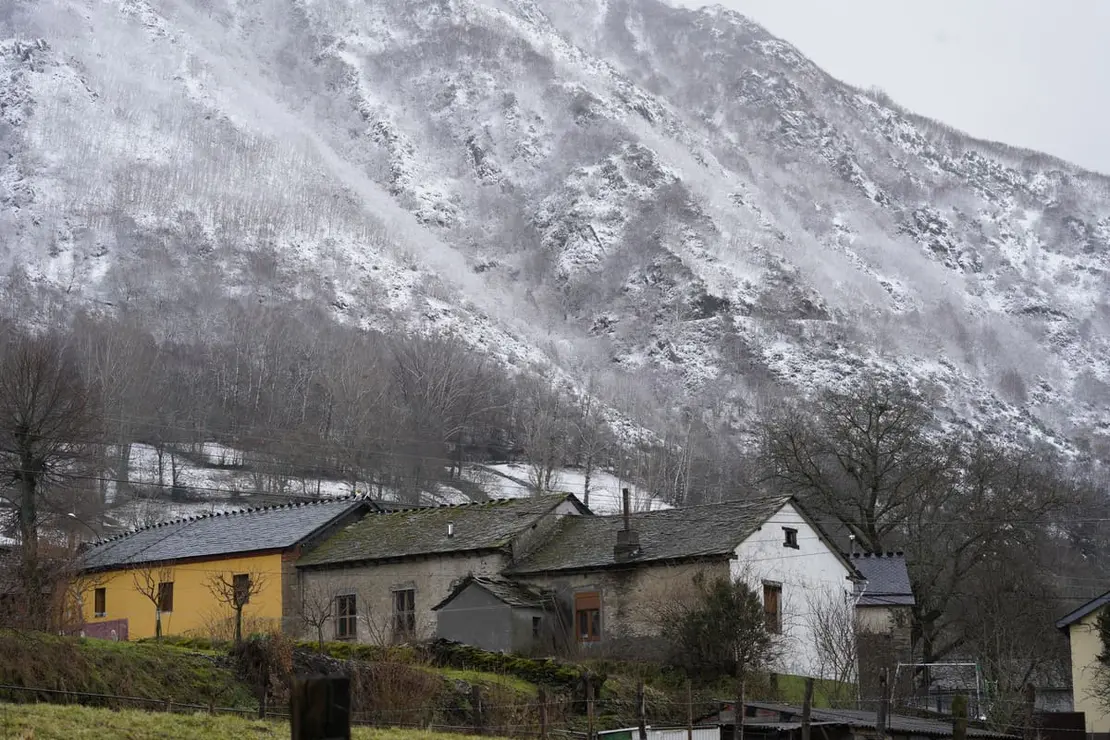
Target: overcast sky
x,y
1031,73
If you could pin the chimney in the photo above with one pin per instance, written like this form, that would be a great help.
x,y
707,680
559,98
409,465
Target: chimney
x,y
628,540
450,529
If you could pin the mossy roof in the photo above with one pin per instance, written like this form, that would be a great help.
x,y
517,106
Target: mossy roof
x,y
488,525
708,531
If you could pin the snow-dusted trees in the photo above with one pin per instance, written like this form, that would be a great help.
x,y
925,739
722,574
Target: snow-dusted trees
x,y
46,420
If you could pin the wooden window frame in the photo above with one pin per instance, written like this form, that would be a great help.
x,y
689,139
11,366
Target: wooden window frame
x,y
100,602
346,617
404,613
241,587
790,538
772,594
165,597
587,617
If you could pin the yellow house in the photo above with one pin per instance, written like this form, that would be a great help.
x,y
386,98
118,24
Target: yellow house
x,y
1082,631
191,574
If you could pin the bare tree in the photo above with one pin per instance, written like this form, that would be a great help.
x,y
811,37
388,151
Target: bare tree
x,y
835,627
236,591
155,582
45,418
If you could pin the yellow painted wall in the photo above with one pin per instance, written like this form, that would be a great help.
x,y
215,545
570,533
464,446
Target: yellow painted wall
x,y
1085,646
195,610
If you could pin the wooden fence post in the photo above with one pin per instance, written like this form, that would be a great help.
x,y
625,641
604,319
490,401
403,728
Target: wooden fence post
x,y
476,707
807,708
689,710
543,713
641,709
589,706
959,717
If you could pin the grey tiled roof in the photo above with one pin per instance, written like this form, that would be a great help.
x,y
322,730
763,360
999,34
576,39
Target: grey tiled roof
x,y
488,525
1077,614
711,530
247,530
888,580
507,592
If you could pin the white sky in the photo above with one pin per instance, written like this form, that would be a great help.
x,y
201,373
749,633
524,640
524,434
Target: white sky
x,y
1032,73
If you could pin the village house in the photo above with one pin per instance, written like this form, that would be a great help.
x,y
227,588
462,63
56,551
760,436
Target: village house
x,y
1081,627
604,580
378,579
173,569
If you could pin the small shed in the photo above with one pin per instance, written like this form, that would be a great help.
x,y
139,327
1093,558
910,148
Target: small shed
x,y
663,733
493,614
770,721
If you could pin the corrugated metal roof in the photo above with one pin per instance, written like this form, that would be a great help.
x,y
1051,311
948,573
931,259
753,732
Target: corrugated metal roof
x,y
898,723
225,533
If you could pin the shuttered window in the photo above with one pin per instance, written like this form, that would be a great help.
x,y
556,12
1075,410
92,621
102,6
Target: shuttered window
x,y
772,607
100,602
587,616
346,617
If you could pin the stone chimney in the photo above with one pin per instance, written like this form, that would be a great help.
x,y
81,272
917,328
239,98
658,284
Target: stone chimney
x,y
628,540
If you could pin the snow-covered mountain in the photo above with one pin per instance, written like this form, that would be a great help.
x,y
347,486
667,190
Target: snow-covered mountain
x,y
668,195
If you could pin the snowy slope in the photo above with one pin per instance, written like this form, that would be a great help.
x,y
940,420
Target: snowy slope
x,y
669,195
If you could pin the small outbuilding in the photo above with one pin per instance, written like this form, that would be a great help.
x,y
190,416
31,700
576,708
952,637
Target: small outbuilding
x,y
493,614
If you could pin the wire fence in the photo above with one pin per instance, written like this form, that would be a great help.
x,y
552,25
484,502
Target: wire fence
x,y
548,715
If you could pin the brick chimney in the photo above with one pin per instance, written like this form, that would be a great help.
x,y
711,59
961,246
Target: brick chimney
x,y
628,540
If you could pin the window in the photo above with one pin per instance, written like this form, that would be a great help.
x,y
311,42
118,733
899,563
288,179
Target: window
x,y
587,616
537,623
791,537
100,602
772,607
404,613
346,617
165,597
241,585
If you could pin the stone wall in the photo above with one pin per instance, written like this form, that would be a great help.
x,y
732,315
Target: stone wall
x,y
374,584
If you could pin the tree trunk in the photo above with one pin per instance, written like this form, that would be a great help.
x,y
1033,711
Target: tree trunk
x,y
239,626
29,537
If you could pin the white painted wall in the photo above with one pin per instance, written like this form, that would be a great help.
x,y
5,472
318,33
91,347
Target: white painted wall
x,y
813,571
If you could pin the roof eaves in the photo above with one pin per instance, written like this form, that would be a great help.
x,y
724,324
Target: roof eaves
x,y
1075,615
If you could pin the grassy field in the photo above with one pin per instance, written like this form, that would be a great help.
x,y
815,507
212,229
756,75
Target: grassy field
x,y
55,722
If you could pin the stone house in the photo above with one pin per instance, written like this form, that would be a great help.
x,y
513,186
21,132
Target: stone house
x,y
498,614
378,579
884,607
606,579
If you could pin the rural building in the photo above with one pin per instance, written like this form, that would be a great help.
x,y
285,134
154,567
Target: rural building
x,y
384,574
884,607
1081,627
609,577
495,614
176,563
768,721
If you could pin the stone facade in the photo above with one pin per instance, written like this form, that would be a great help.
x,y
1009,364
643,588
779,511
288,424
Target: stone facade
x,y
374,586
632,599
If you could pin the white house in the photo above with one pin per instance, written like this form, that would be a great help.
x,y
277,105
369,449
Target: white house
x,y
608,577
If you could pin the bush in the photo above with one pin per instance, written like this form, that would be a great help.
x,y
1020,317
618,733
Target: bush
x,y
546,672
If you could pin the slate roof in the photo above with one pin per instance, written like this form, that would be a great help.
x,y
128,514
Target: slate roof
x,y
888,580
507,592
487,525
900,724
226,533
1075,615
710,530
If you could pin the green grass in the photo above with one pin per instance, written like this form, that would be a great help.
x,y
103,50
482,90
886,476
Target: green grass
x,y
484,679
146,670
792,690
55,722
